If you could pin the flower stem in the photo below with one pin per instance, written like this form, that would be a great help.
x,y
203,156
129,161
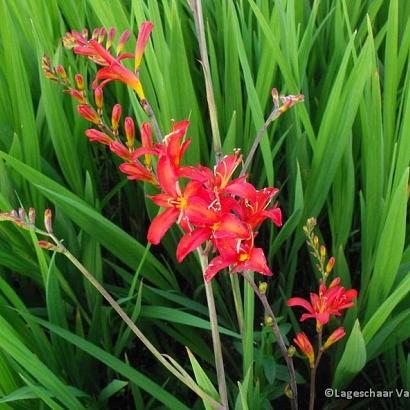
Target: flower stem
x,y
313,372
184,378
150,112
196,7
216,341
276,113
279,338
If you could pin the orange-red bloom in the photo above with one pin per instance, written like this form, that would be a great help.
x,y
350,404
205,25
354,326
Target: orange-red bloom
x,y
329,301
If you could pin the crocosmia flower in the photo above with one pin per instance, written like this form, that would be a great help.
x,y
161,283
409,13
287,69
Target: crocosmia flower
x,y
329,301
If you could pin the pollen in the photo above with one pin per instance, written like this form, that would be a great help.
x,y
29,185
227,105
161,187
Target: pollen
x,y
243,257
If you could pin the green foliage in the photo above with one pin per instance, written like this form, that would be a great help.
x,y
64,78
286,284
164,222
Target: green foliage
x,y
341,156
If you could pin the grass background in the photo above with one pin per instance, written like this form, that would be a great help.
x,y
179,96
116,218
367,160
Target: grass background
x,y
341,156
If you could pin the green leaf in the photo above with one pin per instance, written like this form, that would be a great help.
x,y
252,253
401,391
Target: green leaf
x,y
353,358
203,380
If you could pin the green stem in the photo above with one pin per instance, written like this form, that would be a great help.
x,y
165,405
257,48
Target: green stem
x,y
196,7
216,341
313,372
276,113
237,298
279,338
248,333
188,381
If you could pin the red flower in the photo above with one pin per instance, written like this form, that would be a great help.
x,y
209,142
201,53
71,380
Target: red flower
x,y
113,69
253,209
302,341
172,198
329,301
240,256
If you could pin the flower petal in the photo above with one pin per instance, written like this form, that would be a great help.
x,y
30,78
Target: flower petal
x,y
191,241
301,302
160,225
166,176
215,266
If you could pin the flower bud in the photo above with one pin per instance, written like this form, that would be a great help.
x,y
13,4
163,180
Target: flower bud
x,y
315,241
61,72
123,39
22,214
101,34
98,136
263,286
288,392
119,149
302,341
334,337
323,251
79,81
116,116
142,40
291,351
110,37
129,131
99,97
330,265
275,98
32,216
95,34
88,113
47,245
268,320
48,220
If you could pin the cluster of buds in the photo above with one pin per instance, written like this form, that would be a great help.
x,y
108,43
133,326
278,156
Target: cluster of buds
x,y
212,207
283,102
329,301
319,252
27,221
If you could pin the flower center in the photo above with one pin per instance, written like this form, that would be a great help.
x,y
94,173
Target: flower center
x,y
181,203
243,257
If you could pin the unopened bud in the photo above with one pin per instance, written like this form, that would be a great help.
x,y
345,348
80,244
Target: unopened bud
x,y
48,246
311,223
268,320
98,136
32,216
88,113
323,251
22,214
79,81
84,33
291,351
48,220
129,131
315,241
330,265
95,34
275,98
101,35
123,39
110,37
116,116
99,97
288,392
263,286
334,337
61,72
